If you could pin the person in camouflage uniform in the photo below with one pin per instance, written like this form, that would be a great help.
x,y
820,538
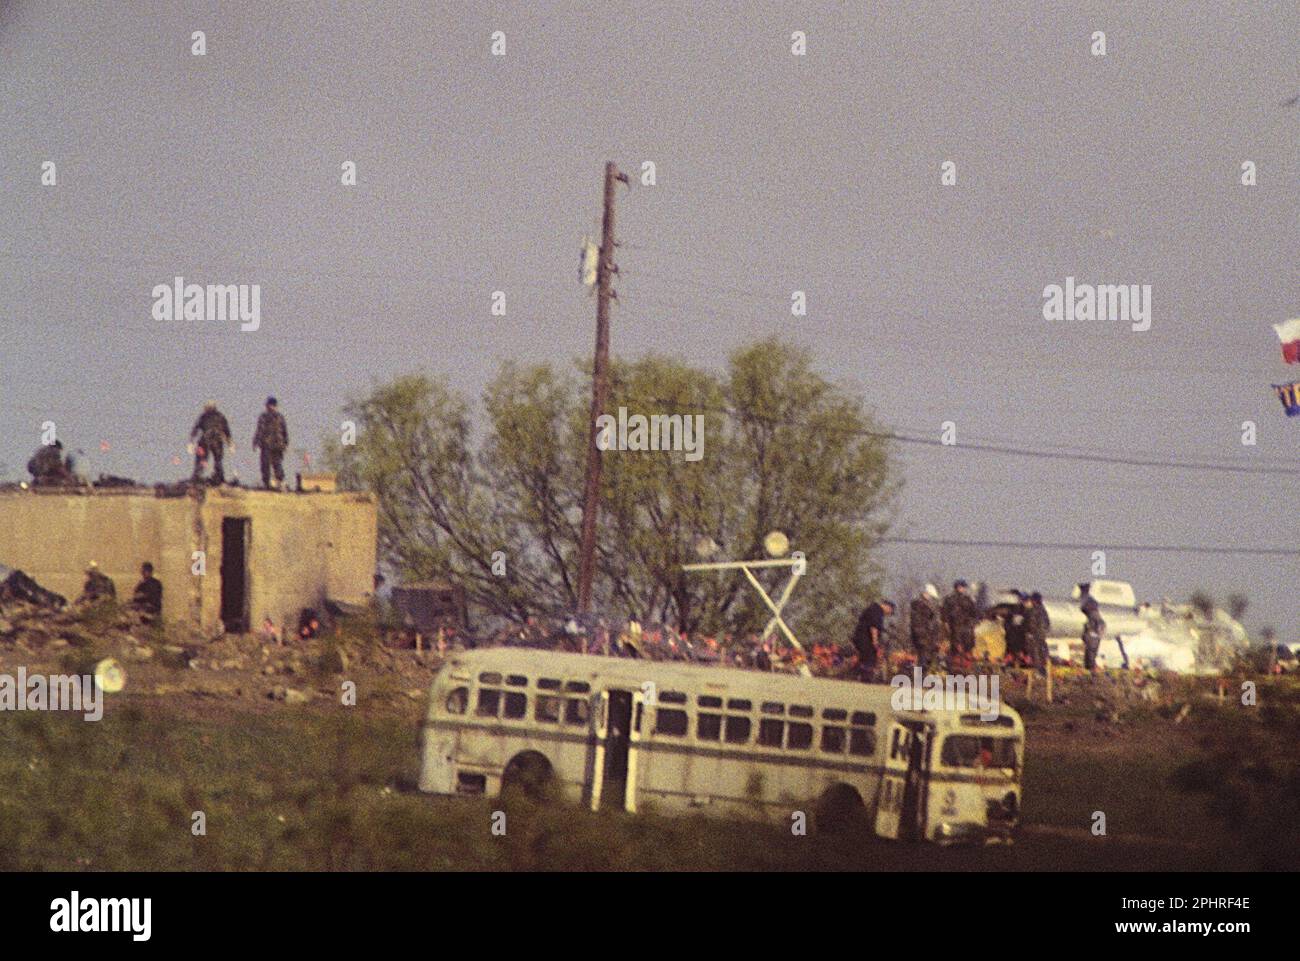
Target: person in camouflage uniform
x,y
48,467
98,586
959,617
1037,624
212,431
924,626
271,438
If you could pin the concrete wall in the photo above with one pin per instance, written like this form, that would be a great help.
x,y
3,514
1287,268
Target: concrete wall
x,y
53,537
302,547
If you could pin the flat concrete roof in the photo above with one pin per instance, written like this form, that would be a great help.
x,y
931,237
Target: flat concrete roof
x,y
171,490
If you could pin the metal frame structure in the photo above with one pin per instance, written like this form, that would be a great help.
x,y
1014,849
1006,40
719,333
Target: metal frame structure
x,y
797,565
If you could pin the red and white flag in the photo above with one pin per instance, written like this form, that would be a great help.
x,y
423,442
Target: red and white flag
x,y
1289,333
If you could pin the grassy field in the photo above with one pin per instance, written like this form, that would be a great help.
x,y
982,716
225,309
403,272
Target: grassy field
x,y
330,788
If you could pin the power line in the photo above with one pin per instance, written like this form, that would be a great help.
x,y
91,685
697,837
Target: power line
x,y
1126,461
1099,545
1116,459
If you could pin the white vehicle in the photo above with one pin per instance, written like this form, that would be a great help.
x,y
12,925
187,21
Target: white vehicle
x,y
635,734
1165,636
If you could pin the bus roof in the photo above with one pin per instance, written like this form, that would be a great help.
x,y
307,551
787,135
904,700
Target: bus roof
x,y
731,681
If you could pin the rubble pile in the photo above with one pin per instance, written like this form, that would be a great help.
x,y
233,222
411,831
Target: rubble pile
x,y
51,636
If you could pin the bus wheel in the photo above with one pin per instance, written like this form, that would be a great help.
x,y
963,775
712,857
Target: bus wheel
x,y
839,809
529,774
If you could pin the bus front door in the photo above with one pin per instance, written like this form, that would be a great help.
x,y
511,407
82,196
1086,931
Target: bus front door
x,y
613,772
915,789
893,782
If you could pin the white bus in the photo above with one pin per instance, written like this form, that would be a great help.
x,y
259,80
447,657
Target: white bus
x,y
635,734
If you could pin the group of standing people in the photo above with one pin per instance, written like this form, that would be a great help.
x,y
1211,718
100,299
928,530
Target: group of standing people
x,y
932,620
211,434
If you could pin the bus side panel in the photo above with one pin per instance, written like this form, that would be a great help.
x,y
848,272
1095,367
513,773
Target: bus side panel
x,y
437,762
571,762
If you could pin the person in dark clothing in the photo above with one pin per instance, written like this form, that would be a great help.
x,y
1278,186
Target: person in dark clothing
x,y
271,439
924,626
48,466
868,637
1093,628
1037,624
1015,631
212,433
98,586
959,617
148,595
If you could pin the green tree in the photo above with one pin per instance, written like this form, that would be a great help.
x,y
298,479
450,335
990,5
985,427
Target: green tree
x,y
783,449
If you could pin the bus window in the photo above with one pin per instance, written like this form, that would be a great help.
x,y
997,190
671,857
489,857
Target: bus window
x,y
517,680
548,709
770,732
800,736
516,704
771,707
489,677
968,750
833,739
576,711
458,700
739,705
709,700
489,702
835,714
738,727
548,683
708,727
862,739
672,697
670,721
800,710
577,687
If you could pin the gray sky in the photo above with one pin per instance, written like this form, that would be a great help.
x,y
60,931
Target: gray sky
x,y
775,173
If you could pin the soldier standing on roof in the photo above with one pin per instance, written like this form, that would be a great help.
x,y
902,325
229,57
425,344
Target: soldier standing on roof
x,y
212,431
271,438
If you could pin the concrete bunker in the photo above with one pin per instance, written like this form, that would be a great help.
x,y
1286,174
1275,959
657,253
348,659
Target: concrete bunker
x,y
227,557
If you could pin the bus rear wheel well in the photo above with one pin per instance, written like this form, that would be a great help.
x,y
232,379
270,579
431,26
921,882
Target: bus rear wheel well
x,y
530,773
839,807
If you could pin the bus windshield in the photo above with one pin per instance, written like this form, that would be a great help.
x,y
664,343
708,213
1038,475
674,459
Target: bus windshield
x,y
969,750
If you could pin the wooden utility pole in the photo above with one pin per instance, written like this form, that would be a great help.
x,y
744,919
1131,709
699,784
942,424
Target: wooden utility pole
x,y
605,268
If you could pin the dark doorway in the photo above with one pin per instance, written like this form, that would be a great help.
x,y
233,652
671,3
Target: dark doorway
x,y
235,532
616,742
912,823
